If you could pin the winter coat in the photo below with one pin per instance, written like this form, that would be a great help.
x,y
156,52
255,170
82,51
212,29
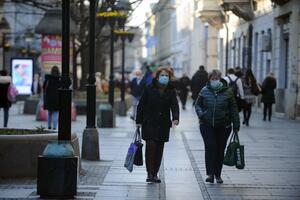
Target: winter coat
x,y
4,84
199,80
249,97
136,89
217,109
153,112
51,97
183,84
268,87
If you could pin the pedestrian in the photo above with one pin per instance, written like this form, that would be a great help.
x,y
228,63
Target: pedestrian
x,y
51,98
249,97
5,81
218,115
36,87
268,95
199,80
137,86
183,88
98,82
153,115
235,83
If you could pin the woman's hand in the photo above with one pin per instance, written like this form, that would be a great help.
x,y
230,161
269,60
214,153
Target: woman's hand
x,y
175,122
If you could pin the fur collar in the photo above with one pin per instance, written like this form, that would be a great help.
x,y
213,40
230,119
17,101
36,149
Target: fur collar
x,y
5,79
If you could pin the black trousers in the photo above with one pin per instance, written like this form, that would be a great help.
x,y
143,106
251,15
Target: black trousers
x,y
183,97
267,110
247,110
154,153
215,140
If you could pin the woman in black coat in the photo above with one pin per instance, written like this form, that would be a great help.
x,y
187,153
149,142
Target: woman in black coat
x,y
153,114
5,80
51,99
268,95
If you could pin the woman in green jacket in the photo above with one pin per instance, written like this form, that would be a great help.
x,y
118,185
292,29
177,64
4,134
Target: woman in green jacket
x,y
218,115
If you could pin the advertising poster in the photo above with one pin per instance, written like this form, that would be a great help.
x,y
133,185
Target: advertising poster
x,y
22,74
52,52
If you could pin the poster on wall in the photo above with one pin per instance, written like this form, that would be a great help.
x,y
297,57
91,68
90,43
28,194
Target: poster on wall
x,y
52,52
22,73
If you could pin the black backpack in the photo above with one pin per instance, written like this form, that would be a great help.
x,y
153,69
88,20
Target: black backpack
x,y
232,84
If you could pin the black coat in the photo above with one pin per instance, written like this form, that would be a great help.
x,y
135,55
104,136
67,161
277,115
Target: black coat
x,y
199,80
268,87
51,98
4,83
137,89
153,112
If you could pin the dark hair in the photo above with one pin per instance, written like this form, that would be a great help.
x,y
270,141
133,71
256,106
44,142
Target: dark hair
x,y
55,71
201,67
230,71
3,72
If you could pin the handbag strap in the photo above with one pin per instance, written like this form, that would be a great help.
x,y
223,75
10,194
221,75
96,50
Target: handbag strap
x,y
137,135
236,137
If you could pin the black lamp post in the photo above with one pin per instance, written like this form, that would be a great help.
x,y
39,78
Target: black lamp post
x,y
123,35
116,15
90,142
4,26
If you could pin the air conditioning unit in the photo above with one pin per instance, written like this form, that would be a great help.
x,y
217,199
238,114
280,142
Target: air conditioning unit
x,y
266,43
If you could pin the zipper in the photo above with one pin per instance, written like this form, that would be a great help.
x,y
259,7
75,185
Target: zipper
x,y
214,109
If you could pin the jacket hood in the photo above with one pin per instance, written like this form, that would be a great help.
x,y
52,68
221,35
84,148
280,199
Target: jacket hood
x,y
223,88
5,79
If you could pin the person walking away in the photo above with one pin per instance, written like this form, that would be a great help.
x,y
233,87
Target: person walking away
x,y
236,85
51,98
36,87
249,97
199,80
268,95
137,86
98,82
5,81
218,114
154,116
183,88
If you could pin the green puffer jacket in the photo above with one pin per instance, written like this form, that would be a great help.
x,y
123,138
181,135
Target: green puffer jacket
x,y
217,108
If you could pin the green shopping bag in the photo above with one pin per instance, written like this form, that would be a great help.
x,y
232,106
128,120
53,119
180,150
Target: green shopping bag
x,y
240,157
230,155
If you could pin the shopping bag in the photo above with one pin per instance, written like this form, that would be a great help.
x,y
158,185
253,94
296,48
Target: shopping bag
x,y
130,157
138,158
12,92
41,113
240,157
230,155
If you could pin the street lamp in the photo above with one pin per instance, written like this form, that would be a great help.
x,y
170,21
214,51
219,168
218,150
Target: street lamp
x,y
4,26
123,35
113,13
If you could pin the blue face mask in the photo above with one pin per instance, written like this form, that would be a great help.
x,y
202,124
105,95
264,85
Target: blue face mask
x,y
215,83
163,80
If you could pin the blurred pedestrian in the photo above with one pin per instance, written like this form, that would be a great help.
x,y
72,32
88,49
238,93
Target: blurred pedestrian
x,y
153,114
250,98
98,82
51,98
137,86
183,88
218,114
268,95
36,87
5,81
199,80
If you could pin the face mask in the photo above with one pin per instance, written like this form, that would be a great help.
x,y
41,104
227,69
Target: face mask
x,y
214,83
163,80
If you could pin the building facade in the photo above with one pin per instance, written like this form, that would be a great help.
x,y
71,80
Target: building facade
x,y
263,35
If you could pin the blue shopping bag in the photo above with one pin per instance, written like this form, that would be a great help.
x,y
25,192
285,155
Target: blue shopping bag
x,y
130,156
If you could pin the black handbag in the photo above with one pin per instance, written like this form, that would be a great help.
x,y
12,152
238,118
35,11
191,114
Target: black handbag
x,y
234,155
138,158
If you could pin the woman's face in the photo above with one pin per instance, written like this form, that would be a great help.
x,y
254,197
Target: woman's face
x,y
164,73
214,78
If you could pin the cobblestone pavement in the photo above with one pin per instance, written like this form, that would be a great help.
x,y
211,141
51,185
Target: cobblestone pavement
x,y
272,164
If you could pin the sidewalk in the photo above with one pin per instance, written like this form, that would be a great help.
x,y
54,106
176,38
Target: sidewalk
x,y
272,164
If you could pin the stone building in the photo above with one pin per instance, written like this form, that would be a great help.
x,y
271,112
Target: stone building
x,y
260,34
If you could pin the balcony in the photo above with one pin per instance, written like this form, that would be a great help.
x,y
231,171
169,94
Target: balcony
x,y
280,2
241,8
209,11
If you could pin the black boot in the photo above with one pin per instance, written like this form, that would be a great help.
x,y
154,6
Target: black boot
x,y
150,178
156,179
219,179
210,179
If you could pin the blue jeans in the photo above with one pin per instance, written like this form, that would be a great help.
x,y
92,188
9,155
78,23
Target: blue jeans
x,y
52,118
5,111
